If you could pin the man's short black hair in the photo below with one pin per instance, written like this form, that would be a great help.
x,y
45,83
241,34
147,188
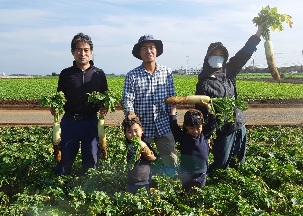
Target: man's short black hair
x,y
80,37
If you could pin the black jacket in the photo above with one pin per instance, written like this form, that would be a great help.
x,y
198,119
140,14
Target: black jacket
x,y
222,82
75,84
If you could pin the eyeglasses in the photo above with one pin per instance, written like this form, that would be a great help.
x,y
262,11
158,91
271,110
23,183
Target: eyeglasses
x,y
80,50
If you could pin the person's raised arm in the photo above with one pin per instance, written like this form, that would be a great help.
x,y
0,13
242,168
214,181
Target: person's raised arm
x,y
176,130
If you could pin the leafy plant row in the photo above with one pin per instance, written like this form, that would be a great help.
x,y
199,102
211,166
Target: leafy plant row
x,y
269,182
35,88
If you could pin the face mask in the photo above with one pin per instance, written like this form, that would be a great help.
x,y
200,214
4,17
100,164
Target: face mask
x,y
216,61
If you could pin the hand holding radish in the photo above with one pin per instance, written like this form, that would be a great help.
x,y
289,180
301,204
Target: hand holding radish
x,y
206,105
222,108
173,109
103,111
260,29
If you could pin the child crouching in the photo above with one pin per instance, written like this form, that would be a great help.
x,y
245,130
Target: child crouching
x,y
139,156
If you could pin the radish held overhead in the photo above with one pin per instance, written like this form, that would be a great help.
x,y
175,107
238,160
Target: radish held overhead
x,y
270,58
222,108
192,99
272,20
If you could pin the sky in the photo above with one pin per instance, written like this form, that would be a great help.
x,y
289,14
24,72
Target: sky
x,y
35,35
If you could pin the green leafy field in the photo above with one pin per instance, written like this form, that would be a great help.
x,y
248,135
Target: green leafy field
x,y
35,88
269,182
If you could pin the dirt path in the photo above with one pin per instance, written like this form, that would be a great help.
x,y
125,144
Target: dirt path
x,y
254,116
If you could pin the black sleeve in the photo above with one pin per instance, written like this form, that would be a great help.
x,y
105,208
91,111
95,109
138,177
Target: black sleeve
x,y
61,81
176,130
236,63
104,85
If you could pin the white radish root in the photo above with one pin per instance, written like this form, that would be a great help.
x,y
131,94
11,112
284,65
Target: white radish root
x,y
269,52
191,99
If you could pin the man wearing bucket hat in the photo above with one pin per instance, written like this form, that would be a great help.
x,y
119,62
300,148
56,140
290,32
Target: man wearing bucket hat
x,y
145,89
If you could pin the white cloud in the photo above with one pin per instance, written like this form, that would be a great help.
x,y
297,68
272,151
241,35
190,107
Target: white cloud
x,y
36,38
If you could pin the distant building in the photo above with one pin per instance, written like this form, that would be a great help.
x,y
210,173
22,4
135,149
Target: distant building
x,y
2,74
189,71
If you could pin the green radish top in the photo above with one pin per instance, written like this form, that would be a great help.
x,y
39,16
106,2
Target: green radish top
x,y
272,20
55,101
223,109
107,100
135,144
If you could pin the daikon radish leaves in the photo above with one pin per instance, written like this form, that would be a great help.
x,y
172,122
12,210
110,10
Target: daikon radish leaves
x,y
272,20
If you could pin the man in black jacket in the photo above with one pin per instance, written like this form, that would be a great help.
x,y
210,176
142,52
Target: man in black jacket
x,y
218,79
79,122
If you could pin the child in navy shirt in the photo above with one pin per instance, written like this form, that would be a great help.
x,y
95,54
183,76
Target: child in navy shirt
x,y
194,148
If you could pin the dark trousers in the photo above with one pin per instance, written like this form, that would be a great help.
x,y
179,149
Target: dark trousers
x,y
229,149
190,180
72,133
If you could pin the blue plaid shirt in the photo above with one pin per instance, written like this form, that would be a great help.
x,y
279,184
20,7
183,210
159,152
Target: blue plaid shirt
x,y
144,93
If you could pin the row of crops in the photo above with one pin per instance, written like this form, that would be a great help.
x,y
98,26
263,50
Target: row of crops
x,y
269,182
35,88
